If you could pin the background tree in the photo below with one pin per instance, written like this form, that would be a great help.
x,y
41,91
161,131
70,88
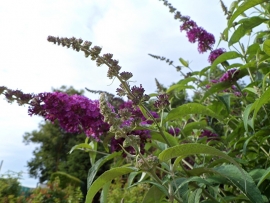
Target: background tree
x,y
54,144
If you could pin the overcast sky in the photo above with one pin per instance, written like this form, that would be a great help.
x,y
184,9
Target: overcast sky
x,y
130,29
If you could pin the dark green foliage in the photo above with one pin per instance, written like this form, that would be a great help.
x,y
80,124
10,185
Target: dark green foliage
x,y
52,155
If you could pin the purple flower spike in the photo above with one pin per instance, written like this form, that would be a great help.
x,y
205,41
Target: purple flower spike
x,y
198,34
75,113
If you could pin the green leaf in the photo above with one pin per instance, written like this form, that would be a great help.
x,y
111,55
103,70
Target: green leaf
x,y
246,25
191,108
93,155
265,176
131,178
253,49
246,116
247,65
242,8
94,169
204,70
250,89
191,149
216,88
187,80
194,125
195,196
106,177
266,47
257,174
225,99
233,5
157,136
154,195
105,192
224,57
246,185
81,146
179,87
181,191
184,63
260,102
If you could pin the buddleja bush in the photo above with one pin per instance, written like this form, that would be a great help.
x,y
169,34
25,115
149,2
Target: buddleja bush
x,y
214,149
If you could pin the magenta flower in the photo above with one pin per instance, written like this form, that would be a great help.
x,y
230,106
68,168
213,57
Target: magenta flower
x,y
209,134
75,113
174,131
198,34
230,76
215,53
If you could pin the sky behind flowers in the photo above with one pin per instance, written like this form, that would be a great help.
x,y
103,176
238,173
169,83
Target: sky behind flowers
x,y
128,29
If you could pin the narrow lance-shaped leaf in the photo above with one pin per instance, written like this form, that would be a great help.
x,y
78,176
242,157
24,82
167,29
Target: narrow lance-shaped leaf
x,y
103,179
93,155
184,63
94,169
216,88
246,25
191,149
179,87
260,102
194,148
245,184
265,176
81,146
242,8
194,125
224,57
191,108
157,136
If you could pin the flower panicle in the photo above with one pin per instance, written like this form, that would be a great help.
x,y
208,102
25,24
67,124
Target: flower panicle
x,y
75,113
195,33
94,52
177,14
162,58
16,95
107,59
224,8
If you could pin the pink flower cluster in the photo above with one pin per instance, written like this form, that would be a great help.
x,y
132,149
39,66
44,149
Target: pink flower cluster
x,y
215,53
230,76
75,113
198,34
